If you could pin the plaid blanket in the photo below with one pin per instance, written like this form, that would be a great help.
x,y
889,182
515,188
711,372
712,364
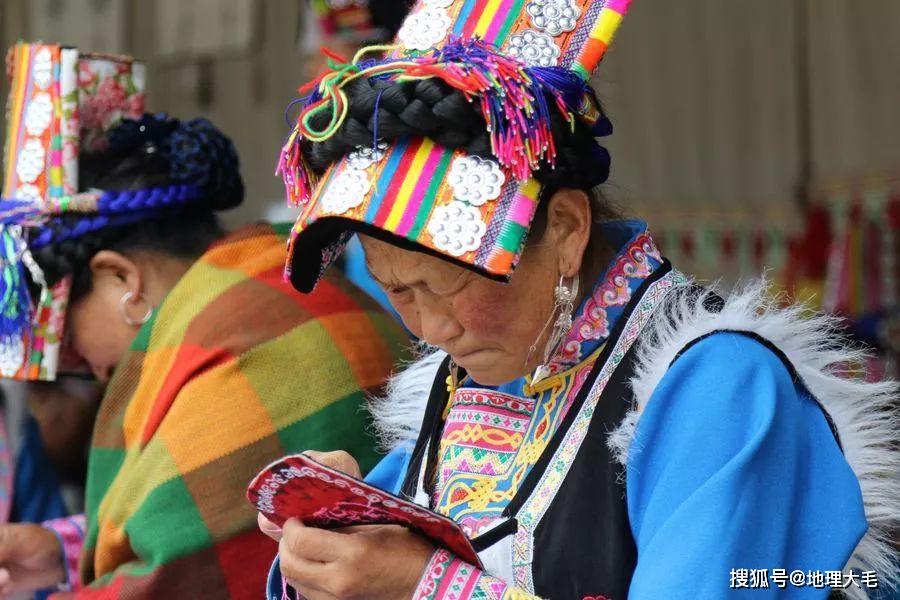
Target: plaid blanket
x,y
234,370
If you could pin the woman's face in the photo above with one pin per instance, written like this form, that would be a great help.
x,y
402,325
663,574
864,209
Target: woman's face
x,y
487,327
98,322
96,328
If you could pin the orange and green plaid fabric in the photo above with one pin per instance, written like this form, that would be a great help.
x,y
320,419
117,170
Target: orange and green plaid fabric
x,y
234,369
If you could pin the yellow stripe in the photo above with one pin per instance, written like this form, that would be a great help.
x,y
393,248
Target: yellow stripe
x,y
605,27
15,115
409,184
487,17
531,189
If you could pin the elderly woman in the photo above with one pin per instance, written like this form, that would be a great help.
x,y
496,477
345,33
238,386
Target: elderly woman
x,y
598,424
213,364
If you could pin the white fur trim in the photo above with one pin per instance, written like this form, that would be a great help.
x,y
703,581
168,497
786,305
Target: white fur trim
x,y
398,414
864,414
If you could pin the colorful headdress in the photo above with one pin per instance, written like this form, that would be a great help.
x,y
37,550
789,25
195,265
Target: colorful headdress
x,y
523,64
65,108
59,100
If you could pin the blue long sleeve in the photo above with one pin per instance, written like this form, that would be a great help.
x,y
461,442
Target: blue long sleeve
x,y
733,466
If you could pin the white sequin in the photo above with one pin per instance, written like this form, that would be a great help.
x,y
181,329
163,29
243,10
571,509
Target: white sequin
x,y
346,191
554,16
39,114
534,48
425,29
42,69
456,228
366,156
12,357
30,163
475,180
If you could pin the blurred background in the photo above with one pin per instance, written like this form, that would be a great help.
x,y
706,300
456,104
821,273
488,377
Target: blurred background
x,y
753,135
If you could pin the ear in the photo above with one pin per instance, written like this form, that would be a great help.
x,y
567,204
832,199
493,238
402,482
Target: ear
x,y
569,220
115,269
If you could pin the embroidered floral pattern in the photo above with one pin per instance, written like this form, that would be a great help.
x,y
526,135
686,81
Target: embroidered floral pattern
x,y
365,156
347,190
42,69
635,262
31,161
438,3
554,16
476,180
456,228
425,29
27,191
534,48
12,357
39,114
108,92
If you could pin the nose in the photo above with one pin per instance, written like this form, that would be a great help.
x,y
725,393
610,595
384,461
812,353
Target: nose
x,y
438,326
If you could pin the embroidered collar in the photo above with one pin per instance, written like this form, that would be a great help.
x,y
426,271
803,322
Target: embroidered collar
x,y
636,258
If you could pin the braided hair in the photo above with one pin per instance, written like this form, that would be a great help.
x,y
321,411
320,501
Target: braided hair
x,y
183,173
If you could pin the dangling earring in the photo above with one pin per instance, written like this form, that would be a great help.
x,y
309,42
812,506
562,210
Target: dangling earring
x,y
563,306
123,307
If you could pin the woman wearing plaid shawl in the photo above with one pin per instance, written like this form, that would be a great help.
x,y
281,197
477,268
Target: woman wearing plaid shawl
x,y
213,364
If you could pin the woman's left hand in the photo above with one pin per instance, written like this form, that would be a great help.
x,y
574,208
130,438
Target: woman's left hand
x,y
375,562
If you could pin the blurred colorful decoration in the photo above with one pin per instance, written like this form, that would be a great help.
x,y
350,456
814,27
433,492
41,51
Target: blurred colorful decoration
x,y
726,247
57,97
346,18
849,249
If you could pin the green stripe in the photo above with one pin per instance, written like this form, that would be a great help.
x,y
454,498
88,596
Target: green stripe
x,y
283,229
581,71
513,15
430,194
511,237
142,339
342,425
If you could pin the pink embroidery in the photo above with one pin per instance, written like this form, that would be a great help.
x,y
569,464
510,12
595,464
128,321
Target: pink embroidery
x,y
592,323
70,531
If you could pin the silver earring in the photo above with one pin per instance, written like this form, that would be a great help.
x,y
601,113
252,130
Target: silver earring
x,y
123,307
564,297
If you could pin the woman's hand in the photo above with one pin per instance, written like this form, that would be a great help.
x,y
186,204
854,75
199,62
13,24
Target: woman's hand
x,y
375,562
30,559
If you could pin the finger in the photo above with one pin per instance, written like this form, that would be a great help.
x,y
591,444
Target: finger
x,y
312,543
304,575
268,527
337,460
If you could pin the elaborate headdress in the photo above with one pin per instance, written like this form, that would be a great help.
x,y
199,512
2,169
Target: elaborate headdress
x,y
65,107
418,175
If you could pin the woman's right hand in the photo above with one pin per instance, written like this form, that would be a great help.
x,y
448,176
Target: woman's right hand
x,y
30,559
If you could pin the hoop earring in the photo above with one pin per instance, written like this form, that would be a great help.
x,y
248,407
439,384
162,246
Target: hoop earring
x,y
563,307
123,308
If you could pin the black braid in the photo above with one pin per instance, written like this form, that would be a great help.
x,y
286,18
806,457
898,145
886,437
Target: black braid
x,y
430,108
184,234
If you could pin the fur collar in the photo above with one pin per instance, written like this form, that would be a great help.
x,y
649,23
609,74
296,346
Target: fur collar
x,y
864,413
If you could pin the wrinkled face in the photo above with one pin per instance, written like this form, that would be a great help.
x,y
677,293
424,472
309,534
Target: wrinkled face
x,y
486,326
493,330
96,328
